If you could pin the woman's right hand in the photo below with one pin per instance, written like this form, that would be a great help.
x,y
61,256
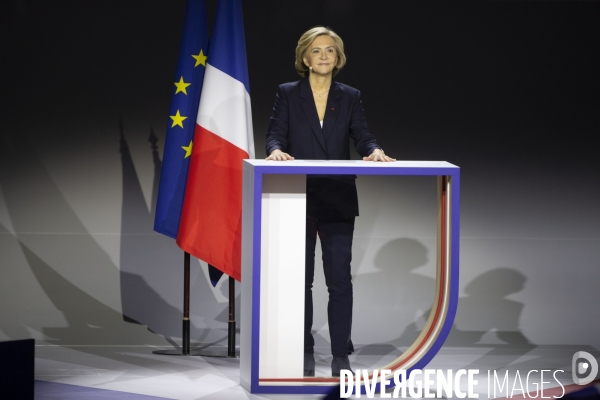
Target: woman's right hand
x,y
278,155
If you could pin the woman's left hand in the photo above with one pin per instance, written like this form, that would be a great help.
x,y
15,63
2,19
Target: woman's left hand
x,y
378,155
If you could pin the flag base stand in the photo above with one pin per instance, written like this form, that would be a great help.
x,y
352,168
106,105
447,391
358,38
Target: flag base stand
x,y
197,353
185,349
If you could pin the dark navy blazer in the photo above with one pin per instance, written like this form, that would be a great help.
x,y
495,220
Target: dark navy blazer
x,y
295,129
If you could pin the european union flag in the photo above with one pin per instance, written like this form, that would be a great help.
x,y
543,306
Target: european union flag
x,y
182,122
187,87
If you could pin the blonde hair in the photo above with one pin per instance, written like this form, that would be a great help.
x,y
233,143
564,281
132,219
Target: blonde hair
x,y
306,40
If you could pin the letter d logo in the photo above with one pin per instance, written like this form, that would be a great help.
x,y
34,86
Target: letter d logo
x,y
589,367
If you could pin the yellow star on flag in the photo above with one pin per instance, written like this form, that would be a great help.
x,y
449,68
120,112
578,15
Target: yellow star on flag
x,y
188,150
181,86
177,119
200,59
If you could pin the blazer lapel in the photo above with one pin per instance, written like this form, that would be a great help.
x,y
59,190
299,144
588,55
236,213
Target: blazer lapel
x,y
310,111
332,110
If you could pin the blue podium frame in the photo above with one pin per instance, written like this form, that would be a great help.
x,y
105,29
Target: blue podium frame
x,y
443,312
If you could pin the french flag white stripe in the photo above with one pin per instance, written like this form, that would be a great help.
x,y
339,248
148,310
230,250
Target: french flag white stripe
x,y
225,109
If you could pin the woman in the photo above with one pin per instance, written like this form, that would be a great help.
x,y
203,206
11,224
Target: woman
x,y
314,119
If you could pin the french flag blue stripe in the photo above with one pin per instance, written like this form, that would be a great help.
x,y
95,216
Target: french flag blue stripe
x,y
228,46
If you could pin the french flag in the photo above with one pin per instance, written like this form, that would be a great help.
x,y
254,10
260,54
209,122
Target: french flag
x,y
210,226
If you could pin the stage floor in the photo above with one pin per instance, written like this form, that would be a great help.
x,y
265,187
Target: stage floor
x,y
69,372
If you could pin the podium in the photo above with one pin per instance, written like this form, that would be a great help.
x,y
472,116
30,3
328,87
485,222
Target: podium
x,y
273,242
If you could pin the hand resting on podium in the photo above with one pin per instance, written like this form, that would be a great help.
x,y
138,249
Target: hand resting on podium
x,y
378,155
278,155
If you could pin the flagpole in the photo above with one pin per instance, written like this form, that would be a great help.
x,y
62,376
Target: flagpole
x,y
231,330
185,345
185,337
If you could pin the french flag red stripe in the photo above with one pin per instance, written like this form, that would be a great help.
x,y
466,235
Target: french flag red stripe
x,y
213,221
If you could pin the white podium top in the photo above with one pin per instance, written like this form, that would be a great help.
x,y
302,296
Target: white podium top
x,y
355,163
356,167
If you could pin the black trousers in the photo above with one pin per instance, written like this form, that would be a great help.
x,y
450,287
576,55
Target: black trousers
x,y
336,245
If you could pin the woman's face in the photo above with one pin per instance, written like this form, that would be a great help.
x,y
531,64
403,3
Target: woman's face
x,y
321,55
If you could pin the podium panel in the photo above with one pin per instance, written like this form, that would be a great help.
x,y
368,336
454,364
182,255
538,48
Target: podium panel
x,y
282,276
273,247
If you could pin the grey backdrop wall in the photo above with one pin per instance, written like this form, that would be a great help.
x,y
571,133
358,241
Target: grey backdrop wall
x,y
506,90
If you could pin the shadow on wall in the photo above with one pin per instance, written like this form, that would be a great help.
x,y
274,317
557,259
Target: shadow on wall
x,y
88,321
142,257
151,266
395,287
68,271
487,310
70,290
485,318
